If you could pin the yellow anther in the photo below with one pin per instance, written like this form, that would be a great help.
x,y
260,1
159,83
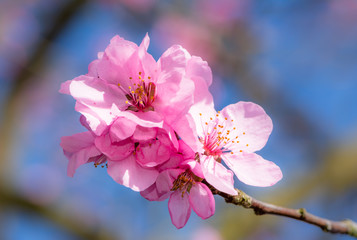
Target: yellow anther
x,y
126,102
232,120
237,141
219,111
226,118
132,92
240,150
129,87
247,145
149,77
231,152
118,84
206,123
216,115
200,114
234,128
211,118
243,133
139,77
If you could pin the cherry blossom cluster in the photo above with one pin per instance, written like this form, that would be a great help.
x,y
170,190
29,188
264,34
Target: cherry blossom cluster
x,y
153,125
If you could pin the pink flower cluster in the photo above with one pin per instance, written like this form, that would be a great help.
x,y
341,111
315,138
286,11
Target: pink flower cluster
x,y
153,125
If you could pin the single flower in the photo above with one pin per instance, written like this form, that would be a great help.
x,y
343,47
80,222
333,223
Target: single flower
x,y
183,185
125,77
233,135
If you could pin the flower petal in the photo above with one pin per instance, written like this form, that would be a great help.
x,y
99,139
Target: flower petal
x,y
130,174
196,67
252,169
174,90
113,66
217,175
144,133
152,194
253,125
114,150
121,129
179,208
164,181
202,200
78,148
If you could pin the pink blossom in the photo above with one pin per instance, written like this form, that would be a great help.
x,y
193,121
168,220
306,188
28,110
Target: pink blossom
x,y
184,188
134,151
234,134
125,77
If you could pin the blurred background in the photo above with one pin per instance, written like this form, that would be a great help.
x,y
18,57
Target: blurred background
x,y
296,58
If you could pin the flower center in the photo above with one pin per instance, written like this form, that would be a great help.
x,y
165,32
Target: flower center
x,y
99,160
218,136
184,182
140,94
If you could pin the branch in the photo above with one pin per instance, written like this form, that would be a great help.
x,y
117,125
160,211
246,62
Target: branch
x,y
260,208
61,219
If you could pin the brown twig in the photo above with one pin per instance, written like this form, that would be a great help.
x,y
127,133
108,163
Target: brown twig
x,y
260,208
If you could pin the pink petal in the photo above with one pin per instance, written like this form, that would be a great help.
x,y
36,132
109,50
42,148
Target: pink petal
x,y
194,166
114,65
115,150
179,208
147,154
130,174
78,148
202,200
92,68
84,123
198,68
97,120
185,150
65,87
164,181
145,43
174,161
148,63
253,125
186,129
174,90
201,112
152,194
121,129
95,92
144,133
253,170
217,175
145,119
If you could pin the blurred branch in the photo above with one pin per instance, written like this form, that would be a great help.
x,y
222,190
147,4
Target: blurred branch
x,y
260,208
26,74
61,219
